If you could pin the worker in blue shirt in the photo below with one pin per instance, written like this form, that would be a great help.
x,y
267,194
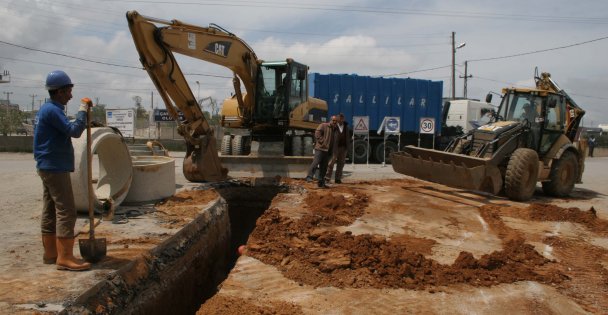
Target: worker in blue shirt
x,y
54,155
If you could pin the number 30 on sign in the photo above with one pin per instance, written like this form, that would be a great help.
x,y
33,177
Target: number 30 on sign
x,y
427,125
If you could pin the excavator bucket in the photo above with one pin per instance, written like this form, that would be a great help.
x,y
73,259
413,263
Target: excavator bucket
x,y
202,164
450,169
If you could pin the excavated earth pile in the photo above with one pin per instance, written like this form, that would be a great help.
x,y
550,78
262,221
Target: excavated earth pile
x,y
383,247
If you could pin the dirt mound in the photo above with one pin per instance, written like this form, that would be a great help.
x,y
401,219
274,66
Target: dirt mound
x,y
236,306
308,251
549,212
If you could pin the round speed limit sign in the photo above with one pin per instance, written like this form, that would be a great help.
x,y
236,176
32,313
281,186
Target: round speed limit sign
x,y
427,125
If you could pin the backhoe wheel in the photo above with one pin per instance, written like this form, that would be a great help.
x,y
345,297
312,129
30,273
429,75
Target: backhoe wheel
x,y
563,176
226,147
238,145
521,175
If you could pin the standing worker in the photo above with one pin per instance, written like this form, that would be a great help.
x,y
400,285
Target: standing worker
x,y
323,146
54,155
591,143
340,149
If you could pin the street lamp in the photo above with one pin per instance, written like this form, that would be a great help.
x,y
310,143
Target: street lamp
x,y
198,94
454,47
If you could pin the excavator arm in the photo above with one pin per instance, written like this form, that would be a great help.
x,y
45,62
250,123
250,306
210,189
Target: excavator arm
x,y
156,45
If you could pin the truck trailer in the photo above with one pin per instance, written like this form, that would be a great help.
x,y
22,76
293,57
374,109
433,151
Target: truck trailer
x,y
377,97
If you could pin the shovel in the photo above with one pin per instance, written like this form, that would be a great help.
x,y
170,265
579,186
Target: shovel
x,y
92,249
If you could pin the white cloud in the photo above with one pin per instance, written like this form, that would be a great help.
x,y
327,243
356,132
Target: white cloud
x,y
363,37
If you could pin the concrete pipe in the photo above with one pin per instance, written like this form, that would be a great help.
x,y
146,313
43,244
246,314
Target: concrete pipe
x,y
153,179
112,169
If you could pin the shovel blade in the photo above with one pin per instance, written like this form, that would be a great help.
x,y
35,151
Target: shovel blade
x,y
92,250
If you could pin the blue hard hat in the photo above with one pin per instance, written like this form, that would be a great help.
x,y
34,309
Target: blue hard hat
x,y
57,79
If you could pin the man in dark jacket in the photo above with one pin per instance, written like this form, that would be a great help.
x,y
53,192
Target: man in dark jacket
x,y
591,144
341,147
323,146
54,156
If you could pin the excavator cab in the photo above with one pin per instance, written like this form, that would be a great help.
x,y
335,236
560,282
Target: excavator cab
x,y
281,88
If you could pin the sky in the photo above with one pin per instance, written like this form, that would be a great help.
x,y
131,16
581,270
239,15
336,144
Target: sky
x,y
504,42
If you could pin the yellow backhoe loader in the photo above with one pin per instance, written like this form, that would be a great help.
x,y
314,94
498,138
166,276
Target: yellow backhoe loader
x,y
532,137
275,109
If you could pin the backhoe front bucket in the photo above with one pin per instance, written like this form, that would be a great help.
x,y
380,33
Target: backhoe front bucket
x,y
450,169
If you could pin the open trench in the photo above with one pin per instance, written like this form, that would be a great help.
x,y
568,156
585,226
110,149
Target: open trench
x,y
184,271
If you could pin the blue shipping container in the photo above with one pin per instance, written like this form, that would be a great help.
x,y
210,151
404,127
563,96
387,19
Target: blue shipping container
x,y
353,95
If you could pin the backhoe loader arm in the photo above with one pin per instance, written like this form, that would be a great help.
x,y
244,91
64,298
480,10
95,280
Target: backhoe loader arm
x,y
574,114
156,45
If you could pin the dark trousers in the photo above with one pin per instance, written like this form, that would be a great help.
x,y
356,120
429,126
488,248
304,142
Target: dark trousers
x,y
320,159
591,150
58,209
338,159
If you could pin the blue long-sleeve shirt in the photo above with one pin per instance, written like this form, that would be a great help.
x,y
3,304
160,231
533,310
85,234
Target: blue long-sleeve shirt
x,y
53,132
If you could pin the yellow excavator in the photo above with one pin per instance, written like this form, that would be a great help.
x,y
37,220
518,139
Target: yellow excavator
x,y
534,136
275,109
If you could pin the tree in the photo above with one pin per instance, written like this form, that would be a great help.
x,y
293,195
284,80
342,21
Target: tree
x,y
10,119
98,113
140,111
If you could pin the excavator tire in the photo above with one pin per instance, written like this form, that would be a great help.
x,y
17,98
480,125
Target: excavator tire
x,y
563,176
226,147
297,147
238,145
309,146
521,175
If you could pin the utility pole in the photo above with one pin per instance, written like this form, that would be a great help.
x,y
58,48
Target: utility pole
x,y
466,76
33,95
454,47
453,66
198,94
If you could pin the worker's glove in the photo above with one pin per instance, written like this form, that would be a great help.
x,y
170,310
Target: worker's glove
x,y
84,103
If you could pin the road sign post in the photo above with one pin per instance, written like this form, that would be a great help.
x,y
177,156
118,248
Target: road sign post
x,y
360,127
427,126
392,126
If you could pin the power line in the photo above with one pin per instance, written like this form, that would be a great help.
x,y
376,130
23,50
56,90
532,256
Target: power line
x,y
383,11
69,56
539,51
504,57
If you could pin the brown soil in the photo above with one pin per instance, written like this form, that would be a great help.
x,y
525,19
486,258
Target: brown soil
x,y
580,261
320,257
236,306
179,209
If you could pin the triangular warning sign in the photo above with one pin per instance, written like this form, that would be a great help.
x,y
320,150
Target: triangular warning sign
x,y
361,126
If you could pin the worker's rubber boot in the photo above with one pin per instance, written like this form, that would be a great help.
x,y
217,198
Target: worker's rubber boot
x,y
65,257
50,248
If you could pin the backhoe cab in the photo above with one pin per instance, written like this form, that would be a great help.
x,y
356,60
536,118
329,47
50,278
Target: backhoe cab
x,y
532,137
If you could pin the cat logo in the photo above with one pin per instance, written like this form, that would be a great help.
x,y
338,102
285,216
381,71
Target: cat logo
x,y
219,48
